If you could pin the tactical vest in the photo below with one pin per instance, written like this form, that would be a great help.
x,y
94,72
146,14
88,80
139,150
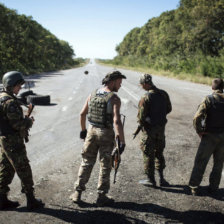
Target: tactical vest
x,y
157,108
98,114
215,115
5,127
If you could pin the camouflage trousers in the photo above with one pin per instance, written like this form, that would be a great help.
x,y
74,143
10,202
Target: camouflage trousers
x,y
13,158
211,144
97,140
152,145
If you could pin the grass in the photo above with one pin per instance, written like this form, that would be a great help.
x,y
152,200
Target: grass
x,y
181,76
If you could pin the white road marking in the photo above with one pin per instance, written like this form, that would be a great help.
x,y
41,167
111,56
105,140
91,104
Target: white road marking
x,y
124,100
74,92
135,96
64,108
70,98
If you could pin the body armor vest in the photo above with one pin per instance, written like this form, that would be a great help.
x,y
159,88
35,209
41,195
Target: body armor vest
x,y
157,109
215,115
5,127
99,114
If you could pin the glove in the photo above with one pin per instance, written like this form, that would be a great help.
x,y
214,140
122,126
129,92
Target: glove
x,y
83,134
122,146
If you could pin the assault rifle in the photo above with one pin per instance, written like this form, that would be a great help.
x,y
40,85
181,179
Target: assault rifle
x,y
116,157
139,128
29,111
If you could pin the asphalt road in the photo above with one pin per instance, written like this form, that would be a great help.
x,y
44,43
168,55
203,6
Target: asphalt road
x,y
54,152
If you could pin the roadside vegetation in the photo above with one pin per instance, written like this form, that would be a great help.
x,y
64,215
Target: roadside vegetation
x,y
28,47
187,43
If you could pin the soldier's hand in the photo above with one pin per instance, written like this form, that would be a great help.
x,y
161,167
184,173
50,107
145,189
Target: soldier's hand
x,y
121,148
83,134
114,152
29,122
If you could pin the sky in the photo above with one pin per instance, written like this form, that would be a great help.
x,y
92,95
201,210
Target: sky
x,y
92,28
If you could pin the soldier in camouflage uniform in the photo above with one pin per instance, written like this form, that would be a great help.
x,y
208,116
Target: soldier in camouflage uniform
x,y
153,108
13,156
103,110
209,124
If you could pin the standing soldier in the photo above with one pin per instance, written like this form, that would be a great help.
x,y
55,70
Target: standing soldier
x,y
13,156
209,124
153,108
103,109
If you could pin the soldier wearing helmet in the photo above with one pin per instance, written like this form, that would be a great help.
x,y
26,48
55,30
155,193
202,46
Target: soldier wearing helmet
x,y
153,108
13,156
103,110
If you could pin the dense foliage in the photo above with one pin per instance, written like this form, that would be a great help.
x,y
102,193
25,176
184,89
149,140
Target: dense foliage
x,y
189,39
28,47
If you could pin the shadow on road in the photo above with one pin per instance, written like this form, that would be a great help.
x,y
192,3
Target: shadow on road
x,y
82,216
203,191
72,215
186,217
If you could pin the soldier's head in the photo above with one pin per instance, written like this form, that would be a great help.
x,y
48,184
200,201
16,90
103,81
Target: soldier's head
x,y
146,81
113,80
12,81
217,84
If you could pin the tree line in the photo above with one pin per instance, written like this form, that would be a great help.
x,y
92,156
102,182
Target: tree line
x,y
189,39
28,47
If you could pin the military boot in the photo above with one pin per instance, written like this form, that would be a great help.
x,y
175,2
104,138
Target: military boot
x,y
32,202
152,181
76,197
104,200
163,182
212,190
5,203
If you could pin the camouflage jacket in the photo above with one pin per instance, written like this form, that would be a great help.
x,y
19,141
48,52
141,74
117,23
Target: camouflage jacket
x,y
13,114
145,105
200,116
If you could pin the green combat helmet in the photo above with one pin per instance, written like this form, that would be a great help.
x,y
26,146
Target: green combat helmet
x,y
113,76
146,78
12,78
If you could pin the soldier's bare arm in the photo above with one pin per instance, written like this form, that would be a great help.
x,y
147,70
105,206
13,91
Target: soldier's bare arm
x,y
83,114
117,118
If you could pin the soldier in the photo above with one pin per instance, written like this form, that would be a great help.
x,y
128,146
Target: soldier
x,y
103,109
153,108
13,156
209,125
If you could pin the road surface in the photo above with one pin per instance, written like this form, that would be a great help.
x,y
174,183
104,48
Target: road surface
x,y
54,152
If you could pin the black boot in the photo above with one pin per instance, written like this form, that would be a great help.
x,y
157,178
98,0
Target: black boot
x,y
163,182
32,202
104,200
5,203
152,181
